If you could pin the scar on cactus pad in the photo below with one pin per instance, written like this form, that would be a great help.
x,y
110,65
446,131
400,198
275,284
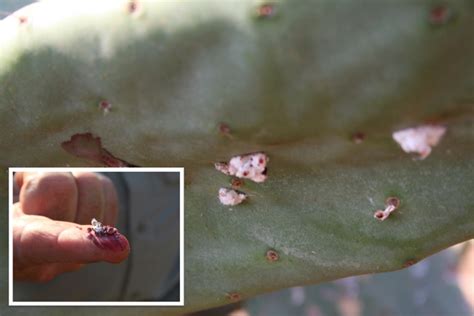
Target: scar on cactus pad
x,y
419,139
391,204
251,166
231,196
89,147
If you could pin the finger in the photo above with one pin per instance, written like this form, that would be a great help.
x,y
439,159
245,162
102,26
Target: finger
x,y
16,190
51,194
44,272
111,201
90,197
39,240
19,179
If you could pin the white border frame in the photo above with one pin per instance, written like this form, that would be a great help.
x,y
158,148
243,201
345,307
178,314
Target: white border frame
x,y
98,303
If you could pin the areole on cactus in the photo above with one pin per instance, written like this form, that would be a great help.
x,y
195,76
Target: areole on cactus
x,y
319,87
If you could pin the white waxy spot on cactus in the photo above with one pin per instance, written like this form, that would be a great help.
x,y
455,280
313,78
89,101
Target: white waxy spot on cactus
x,y
231,197
250,166
419,139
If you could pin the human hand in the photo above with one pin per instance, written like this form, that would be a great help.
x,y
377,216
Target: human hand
x,y
47,239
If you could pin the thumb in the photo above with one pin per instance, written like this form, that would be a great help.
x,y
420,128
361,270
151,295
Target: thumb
x,y
38,240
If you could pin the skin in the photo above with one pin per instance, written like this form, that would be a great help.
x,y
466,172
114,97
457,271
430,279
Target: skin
x,y
51,216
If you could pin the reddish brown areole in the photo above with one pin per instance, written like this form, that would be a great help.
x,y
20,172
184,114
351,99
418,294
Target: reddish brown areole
x,y
440,15
272,255
236,183
224,128
132,6
266,10
234,297
358,137
409,263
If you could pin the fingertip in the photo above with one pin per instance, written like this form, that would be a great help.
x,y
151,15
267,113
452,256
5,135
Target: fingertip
x,y
113,248
119,255
46,241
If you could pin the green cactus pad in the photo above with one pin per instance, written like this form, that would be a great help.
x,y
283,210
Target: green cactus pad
x,y
318,86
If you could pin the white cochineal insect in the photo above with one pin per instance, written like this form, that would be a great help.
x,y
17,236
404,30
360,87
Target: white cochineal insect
x,y
249,166
97,226
231,196
419,139
100,229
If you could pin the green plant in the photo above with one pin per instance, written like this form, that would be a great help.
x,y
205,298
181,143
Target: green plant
x,y
318,86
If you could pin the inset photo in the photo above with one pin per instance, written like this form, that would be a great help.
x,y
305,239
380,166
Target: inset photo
x,y
96,236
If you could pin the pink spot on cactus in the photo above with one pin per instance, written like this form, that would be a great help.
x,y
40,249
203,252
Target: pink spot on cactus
x,y
89,147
